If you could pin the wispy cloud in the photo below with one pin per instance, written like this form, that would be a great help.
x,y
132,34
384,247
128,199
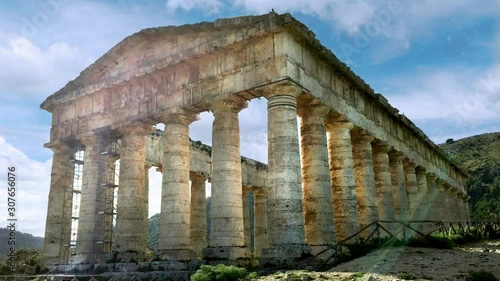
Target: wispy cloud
x,y
29,71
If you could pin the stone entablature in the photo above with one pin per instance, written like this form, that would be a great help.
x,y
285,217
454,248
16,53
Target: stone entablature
x,y
354,144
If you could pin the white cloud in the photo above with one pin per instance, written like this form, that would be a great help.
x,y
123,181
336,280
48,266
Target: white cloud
x,y
457,100
449,100
33,181
210,6
29,70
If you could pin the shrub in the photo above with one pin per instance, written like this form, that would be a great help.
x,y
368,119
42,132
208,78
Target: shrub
x,y
432,242
480,276
220,272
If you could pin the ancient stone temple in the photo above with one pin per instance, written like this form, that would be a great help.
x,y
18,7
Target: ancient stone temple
x,y
358,159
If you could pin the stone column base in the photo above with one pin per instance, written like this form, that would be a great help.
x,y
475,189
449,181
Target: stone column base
x,y
176,255
226,253
284,255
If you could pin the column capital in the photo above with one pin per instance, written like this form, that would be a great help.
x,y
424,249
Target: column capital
x,y
361,135
179,116
313,110
448,186
89,139
409,166
431,176
198,176
396,156
440,183
381,146
59,147
233,105
281,89
420,169
135,128
337,125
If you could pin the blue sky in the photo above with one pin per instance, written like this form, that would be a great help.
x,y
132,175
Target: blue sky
x,y
436,61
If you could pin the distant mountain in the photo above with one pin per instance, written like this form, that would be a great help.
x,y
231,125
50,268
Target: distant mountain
x,y
23,241
480,157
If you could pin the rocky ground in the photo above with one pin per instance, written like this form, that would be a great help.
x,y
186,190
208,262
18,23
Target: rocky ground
x,y
408,263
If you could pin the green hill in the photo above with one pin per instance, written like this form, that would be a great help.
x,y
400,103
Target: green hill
x,y
480,157
23,241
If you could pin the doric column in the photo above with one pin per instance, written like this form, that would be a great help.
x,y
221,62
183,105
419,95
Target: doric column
x,y
175,216
198,221
316,185
467,209
383,185
366,193
246,217
441,201
227,229
260,223
85,246
460,214
345,208
56,242
145,208
450,206
423,206
411,189
131,242
433,213
285,214
398,186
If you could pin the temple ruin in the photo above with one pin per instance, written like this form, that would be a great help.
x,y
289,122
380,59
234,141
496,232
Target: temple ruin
x,y
358,159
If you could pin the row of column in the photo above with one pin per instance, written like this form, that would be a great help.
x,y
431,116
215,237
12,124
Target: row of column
x,y
347,180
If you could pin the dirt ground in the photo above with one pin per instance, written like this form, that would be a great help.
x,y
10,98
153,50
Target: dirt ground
x,y
393,264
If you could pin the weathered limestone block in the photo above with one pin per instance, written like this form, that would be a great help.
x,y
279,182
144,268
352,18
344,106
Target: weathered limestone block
x,y
383,186
227,227
130,241
345,208
198,221
61,185
175,217
366,194
318,213
260,223
85,244
285,209
398,187
411,188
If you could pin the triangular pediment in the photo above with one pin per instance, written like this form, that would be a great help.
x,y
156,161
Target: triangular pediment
x,y
155,48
